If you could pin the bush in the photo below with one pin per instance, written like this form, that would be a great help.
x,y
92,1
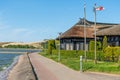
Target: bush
x,y
105,44
51,46
112,54
92,45
99,54
69,53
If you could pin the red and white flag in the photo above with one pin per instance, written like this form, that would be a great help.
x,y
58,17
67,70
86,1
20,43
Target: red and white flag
x,y
100,8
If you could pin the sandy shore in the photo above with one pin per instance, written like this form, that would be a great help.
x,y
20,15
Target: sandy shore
x,y
22,70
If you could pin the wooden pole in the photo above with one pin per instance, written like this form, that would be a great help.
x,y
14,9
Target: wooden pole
x,y
85,32
95,33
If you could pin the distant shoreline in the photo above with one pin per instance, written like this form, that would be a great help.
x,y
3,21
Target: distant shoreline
x,y
19,49
12,52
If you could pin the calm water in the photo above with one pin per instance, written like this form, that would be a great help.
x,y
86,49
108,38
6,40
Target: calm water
x,y
8,58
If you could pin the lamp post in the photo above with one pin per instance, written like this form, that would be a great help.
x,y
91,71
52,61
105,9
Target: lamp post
x,y
60,33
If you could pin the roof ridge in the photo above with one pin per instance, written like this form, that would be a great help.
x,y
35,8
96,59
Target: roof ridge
x,y
81,22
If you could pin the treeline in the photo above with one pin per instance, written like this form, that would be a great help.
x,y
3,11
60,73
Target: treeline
x,y
20,46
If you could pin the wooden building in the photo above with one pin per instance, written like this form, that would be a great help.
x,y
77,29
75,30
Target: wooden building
x,y
73,39
112,34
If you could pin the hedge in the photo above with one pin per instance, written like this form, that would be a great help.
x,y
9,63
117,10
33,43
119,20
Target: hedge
x,y
112,54
78,53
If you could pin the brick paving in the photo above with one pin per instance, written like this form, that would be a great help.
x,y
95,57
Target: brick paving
x,y
47,69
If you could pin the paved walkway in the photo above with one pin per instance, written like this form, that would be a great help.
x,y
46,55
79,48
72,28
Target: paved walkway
x,y
47,69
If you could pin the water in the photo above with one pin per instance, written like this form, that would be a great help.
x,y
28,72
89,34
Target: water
x,y
6,69
8,58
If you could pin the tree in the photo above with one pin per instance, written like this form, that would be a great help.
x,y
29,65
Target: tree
x,y
51,46
105,44
92,45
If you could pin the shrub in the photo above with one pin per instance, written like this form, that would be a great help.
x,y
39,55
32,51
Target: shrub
x,y
112,54
92,45
105,44
51,46
99,54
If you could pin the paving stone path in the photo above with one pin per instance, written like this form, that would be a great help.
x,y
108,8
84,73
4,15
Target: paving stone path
x,y
47,69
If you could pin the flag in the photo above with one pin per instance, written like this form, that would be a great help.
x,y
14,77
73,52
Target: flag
x,y
100,8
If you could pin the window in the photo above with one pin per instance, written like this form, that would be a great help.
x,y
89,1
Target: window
x,y
116,38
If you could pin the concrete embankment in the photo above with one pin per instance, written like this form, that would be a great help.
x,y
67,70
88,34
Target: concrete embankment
x,y
22,70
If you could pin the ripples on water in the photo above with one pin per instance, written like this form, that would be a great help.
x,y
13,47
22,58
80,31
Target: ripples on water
x,y
7,64
8,60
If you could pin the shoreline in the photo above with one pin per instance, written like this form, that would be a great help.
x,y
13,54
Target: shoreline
x,y
4,73
12,52
22,70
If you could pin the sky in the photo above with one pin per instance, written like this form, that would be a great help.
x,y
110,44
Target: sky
x,y
36,20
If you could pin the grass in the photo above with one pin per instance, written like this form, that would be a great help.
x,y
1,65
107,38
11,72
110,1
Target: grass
x,y
74,63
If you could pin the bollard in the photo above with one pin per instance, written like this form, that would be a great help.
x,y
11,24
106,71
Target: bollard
x,y
81,64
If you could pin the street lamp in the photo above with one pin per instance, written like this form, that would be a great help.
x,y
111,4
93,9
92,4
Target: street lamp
x,y
60,33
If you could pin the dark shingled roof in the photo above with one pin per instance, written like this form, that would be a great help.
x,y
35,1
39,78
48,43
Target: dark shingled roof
x,y
115,30
78,32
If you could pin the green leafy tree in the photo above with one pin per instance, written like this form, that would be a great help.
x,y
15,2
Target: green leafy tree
x,y
92,45
51,46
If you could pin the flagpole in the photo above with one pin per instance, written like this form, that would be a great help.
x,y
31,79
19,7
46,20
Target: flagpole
x,y
95,33
85,32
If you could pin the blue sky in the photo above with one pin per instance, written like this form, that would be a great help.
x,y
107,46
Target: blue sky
x,y
35,20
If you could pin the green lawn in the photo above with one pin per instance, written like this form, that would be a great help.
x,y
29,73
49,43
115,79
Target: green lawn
x,y
74,63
